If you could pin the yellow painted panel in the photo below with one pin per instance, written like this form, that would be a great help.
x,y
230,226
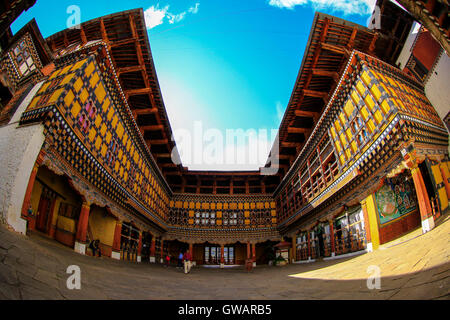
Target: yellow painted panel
x,y
191,221
225,206
98,143
355,96
66,224
369,102
371,126
110,114
260,205
378,116
92,134
55,74
94,79
337,125
104,149
117,166
55,96
273,213
44,87
233,206
348,153
100,92
343,140
274,220
67,79
219,206
191,213
247,214
75,109
69,98
333,132
342,117
266,205
349,134
372,214
219,214
385,107
354,147
366,78
78,65
103,130
90,68
83,96
240,206
205,205
360,87
247,221
98,121
338,146
219,222
376,92
348,108
213,206
197,205
364,113
108,137
106,104
120,130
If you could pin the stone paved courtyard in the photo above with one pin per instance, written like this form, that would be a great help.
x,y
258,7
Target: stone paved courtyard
x,y
414,267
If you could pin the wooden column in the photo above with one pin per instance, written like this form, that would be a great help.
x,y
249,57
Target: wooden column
x,y
27,199
445,177
115,254
152,249
83,220
139,248
366,225
423,199
222,256
332,243
254,252
248,250
162,250
309,244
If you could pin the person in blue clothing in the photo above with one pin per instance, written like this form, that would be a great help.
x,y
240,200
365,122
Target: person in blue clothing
x,y
180,260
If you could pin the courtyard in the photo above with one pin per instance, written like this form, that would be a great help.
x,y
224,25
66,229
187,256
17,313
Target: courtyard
x,y
416,266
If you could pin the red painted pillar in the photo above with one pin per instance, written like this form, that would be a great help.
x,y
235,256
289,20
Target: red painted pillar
x,y
152,249
162,250
83,221
191,250
333,245
254,252
115,254
423,199
139,244
222,254
248,250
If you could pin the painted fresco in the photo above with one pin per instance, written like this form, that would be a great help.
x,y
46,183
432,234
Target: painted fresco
x,y
395,199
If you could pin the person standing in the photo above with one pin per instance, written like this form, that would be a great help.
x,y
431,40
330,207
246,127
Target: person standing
x,y
167,260
187,262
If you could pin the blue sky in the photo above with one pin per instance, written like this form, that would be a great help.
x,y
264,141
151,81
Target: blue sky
x,y
229,64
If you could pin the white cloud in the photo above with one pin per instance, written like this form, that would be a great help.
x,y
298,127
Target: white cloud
x,y
155,16
173,18
361,7
194,9
280,111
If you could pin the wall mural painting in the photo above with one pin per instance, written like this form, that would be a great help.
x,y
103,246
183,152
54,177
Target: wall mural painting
x,y
395,199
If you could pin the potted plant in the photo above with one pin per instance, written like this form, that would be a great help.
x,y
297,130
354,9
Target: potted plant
x,y
280,261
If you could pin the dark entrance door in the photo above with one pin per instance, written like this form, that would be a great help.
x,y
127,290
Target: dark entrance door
x,y
44,213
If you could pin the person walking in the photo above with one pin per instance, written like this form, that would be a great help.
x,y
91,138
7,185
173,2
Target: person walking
x,y
167,260
187,262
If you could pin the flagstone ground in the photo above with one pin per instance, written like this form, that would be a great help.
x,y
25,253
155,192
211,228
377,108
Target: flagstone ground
x,y
416,266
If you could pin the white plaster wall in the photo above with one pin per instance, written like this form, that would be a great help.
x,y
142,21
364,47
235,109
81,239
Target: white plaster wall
x,y
19,148
437,88
406,51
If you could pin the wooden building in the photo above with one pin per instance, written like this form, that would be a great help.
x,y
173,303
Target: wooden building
x,y
85,142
